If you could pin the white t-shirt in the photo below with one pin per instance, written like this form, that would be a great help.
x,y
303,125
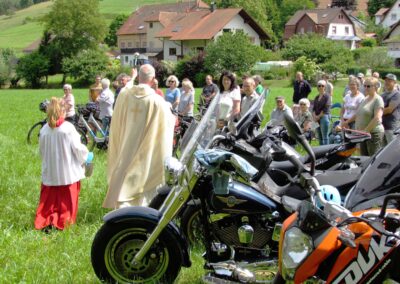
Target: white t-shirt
x,y
351,104
226,102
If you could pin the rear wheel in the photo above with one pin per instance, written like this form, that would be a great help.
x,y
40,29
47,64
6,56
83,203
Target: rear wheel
x,y
116,244
34,132
82,133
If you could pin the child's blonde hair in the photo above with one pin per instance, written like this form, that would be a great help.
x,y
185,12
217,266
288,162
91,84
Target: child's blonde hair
x,y
55,110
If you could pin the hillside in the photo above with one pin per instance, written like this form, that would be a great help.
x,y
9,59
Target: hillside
x,y
19,30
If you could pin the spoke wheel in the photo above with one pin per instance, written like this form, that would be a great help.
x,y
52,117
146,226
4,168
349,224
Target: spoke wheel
x,y
34,132
192,226
115,247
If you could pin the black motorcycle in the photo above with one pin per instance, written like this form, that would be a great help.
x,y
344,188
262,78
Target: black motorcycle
x,y
143,245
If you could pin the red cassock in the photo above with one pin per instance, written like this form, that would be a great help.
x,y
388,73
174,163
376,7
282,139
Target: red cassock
x,y
58,206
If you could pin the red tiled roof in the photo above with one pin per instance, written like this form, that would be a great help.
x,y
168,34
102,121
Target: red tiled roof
x,y
157,12
319,16
206,24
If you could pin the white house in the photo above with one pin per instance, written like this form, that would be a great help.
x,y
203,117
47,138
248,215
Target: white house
x,y
195,29
392,41
389,17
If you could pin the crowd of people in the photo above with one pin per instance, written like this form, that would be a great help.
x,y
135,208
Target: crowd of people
x,y
141,125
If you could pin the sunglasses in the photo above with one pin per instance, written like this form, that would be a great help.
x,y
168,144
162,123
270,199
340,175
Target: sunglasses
x,y
367,86
320,86
302,104
171,81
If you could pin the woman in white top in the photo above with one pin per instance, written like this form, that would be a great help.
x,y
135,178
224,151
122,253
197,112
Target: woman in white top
x,y
62,155
186,102
69,103
106,102
230,97
351,102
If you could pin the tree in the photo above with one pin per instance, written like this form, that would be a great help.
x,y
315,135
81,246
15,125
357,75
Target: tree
x,y
33,68
86,64
111,38
315,47
72,26
192,67
375,5
345,4
231,51
374,58
307,66
8,63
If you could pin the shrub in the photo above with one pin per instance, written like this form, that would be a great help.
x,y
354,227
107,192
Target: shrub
x,y
368,42
190,66
33,67
308,67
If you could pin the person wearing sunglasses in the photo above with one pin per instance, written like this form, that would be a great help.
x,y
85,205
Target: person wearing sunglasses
x,y
321,112
173,93
368,118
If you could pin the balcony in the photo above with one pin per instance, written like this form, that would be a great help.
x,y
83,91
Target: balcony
x,y
132,50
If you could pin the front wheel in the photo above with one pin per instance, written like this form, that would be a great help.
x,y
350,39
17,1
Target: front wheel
x,y
116,244
191,225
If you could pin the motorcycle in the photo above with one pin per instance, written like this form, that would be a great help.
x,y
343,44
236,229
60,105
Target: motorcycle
x,y
354,243
141,244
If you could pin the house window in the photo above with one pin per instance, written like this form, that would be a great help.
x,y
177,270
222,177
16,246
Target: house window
x,y
151,25
333,30
252,39
122,44
126,59
340,16
172,51
226,30
144,44
310,29
129,44
346,30
393,17
302,30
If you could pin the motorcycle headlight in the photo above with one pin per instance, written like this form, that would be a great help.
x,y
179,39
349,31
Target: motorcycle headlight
x,y
296,247
172,169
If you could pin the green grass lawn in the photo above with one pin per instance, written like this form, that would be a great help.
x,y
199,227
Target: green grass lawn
x,y
19,30
30,256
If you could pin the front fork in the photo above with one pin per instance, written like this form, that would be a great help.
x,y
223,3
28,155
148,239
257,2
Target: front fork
x,y
177,197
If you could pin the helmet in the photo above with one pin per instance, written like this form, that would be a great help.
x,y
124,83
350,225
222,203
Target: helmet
x,y
43,105
330,193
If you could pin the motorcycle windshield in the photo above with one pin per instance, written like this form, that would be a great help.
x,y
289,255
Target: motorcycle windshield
x,y
202,134
381,177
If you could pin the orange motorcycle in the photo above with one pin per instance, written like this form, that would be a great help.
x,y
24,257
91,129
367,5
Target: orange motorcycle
x,y
324,242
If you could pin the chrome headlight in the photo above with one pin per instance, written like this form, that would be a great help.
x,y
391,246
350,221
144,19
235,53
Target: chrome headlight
x,y
172,169
296,247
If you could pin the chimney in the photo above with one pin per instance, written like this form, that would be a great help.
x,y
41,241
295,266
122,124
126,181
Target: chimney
x,y
213,6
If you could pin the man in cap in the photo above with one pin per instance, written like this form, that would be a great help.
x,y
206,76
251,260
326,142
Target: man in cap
x,y
391,111
277,115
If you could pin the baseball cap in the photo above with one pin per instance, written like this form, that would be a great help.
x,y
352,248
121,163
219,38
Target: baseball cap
x,y
391,76
360,75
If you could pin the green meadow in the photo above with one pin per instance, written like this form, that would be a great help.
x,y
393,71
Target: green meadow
x,y
30,256
19,30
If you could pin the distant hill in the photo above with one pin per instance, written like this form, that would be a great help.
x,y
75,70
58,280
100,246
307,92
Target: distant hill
x,y
17,31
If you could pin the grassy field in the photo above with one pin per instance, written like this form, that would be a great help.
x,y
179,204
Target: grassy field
x,y
19,30
29,256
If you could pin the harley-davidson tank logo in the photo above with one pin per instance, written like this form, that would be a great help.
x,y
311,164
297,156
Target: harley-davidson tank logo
x,y
231,201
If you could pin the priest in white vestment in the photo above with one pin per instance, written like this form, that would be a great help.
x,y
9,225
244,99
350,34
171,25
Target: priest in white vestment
x,y
141,137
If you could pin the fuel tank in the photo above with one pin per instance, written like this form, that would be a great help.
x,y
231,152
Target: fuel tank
x,y
242,198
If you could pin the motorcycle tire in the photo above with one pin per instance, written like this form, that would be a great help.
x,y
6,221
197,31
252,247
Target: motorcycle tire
x,y
115,245
33,134
191,225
